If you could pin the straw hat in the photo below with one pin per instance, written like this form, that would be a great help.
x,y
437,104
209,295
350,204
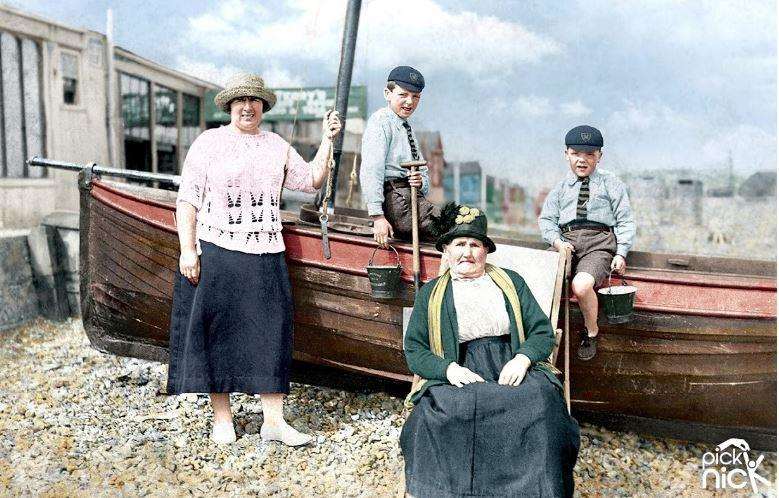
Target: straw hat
x,y
245,85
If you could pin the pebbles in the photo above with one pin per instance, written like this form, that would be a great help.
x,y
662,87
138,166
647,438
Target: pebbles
x,y
74,421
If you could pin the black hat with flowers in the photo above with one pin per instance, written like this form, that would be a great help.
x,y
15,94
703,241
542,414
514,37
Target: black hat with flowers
x,y
460,221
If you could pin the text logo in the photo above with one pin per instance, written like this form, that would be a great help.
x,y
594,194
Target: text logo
x,y
730,466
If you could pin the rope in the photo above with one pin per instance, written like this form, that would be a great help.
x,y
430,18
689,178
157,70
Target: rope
x,y
329,184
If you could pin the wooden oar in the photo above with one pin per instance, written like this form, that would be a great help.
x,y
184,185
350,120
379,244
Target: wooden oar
x,y
414,166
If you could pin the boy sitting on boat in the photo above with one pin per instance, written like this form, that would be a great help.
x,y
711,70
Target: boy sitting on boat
x,y
589,214
387,142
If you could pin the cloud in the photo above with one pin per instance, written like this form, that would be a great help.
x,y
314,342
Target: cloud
x,y
273,75
733,24
534,106
645,116
649,135
430,36
575,109
750,147
466,41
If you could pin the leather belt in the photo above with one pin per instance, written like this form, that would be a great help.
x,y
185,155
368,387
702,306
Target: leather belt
x,y
397,182
590,225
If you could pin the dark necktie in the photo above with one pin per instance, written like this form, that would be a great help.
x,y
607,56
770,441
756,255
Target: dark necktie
x,y
584,196
414,153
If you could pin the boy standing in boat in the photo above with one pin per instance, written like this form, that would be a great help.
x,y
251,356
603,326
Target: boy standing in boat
x,y
588,213
387,142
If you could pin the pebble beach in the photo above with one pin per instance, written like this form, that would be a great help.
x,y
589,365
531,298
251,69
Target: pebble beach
x,y
77,422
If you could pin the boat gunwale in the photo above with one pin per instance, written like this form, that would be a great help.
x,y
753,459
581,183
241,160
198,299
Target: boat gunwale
x,y
758,282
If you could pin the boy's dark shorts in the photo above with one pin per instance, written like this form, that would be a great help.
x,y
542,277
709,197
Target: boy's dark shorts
x,y
593,252
397,210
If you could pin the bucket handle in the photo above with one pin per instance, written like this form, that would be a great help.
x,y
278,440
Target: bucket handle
x,y
370,261
624,282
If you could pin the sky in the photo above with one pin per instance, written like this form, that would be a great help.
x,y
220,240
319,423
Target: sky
x,y
671,84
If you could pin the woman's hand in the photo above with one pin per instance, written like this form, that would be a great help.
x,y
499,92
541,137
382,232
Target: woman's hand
x,y
189,266
331,125
459,376
514,371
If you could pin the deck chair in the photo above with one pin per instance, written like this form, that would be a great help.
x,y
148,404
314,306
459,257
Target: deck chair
x,y
546,273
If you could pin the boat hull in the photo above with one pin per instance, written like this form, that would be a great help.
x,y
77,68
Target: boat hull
x,y
699,356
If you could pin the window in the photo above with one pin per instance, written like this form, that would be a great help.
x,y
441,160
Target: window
x,y
190,121
165,130
136,117
69,68
21,107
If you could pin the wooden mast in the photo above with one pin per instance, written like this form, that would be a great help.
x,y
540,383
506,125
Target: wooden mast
x,y
343,84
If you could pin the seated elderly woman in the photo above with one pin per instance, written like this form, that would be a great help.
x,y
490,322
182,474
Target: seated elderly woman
x,y
489,415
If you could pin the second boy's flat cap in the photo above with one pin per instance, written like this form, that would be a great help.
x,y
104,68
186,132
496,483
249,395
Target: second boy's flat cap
x,y
584,138
407,77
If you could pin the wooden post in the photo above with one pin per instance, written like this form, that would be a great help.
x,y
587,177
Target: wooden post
x,y
343,84
567,332
412,167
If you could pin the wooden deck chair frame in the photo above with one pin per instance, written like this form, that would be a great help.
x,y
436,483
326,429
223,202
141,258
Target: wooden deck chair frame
x,y
562,292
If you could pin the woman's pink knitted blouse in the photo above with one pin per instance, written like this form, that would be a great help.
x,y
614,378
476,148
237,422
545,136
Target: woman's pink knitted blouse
x,y
234,181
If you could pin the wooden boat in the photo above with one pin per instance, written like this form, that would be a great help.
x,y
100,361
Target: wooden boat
x,y
698,360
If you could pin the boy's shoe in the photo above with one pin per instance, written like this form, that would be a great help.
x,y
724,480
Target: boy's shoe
x,y
588,346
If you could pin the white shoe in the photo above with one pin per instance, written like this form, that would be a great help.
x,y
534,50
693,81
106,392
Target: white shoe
x,y
223,433
286,434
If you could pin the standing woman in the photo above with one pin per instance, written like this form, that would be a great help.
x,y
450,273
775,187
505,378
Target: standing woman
x,y
231,324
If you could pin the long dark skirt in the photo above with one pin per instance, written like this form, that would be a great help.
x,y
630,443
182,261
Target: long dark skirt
x,y
485,439
233,331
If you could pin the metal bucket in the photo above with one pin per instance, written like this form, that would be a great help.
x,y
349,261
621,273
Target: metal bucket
x,y
617,301
385,279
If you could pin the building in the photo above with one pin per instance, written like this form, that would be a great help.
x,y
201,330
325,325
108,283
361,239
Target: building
x,y
69,94
433,151
759,185
503,202
649,198
515,205
464,183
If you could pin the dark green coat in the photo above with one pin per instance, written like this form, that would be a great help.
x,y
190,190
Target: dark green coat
x,y
538,345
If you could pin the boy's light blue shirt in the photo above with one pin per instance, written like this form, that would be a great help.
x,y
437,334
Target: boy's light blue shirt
x,y
608,204
384,146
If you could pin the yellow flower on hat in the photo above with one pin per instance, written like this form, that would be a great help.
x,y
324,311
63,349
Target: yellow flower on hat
x,y
474,212
464,210
468,218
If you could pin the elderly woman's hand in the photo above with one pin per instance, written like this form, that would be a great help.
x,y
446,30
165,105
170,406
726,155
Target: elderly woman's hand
x,y
331,124
514,371
459,376
189,265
